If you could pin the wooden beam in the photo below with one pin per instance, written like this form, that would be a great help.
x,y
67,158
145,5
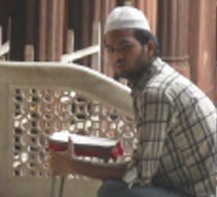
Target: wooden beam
x,y
66,58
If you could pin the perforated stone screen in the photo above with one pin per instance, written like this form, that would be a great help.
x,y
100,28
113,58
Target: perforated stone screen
x,y
37,112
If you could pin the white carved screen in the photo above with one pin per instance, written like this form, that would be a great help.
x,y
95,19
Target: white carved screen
x,y
38,111
38,98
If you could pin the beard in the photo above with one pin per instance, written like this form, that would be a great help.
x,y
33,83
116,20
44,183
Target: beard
x,y
136,70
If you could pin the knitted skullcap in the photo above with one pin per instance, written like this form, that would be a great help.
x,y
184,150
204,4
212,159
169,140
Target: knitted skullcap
x,y
125,17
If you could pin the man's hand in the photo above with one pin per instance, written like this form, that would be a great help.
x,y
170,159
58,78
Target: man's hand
x,y
66,162
61,162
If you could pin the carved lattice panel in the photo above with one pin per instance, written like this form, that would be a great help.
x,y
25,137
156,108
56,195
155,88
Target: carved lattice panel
x,y
37,112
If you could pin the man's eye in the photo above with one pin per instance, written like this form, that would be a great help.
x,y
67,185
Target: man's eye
x,y
110,50
125,47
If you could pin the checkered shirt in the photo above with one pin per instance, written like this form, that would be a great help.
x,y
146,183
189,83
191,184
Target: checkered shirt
x,y
176,132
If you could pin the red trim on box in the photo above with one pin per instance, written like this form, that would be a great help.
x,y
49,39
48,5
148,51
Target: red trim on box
x,y
118,150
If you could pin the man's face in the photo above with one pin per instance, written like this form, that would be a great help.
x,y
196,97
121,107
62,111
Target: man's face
x,y
125,53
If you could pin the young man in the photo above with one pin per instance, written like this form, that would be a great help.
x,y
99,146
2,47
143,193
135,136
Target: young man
x,y
176,122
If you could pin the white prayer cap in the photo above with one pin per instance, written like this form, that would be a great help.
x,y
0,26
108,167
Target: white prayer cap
x,y
124,17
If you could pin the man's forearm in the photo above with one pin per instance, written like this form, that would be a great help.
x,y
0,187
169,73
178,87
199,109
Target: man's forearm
x,y
98,170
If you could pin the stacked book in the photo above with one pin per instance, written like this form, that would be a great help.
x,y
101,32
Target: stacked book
x,y
86,145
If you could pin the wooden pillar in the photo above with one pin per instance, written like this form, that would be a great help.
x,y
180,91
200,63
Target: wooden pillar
x,y
150,10
59,29
66,47
173,34
96,35
55,29
86,27
51,29
86,22
202,44
42,32
106,7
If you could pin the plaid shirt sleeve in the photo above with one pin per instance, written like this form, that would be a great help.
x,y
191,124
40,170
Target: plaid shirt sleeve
x,y
152,127
153,111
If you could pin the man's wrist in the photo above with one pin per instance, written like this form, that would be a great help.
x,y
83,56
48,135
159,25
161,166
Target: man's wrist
x,y
74,162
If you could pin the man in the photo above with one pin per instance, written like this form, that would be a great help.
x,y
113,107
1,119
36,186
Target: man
x,y
176,122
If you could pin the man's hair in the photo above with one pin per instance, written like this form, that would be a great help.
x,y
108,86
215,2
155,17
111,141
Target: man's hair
x,y
144,36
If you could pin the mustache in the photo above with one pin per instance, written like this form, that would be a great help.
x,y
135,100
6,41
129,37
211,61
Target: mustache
x,y
119,62
108,61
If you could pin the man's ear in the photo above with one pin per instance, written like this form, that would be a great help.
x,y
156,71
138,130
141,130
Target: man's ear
x,y
149,49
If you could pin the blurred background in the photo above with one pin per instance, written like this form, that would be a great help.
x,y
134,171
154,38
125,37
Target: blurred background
x,y
53,30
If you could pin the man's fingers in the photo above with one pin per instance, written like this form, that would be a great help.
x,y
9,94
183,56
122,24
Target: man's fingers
x,y
60,160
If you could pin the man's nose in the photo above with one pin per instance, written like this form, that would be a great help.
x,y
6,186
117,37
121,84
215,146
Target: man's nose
x,y
118,54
